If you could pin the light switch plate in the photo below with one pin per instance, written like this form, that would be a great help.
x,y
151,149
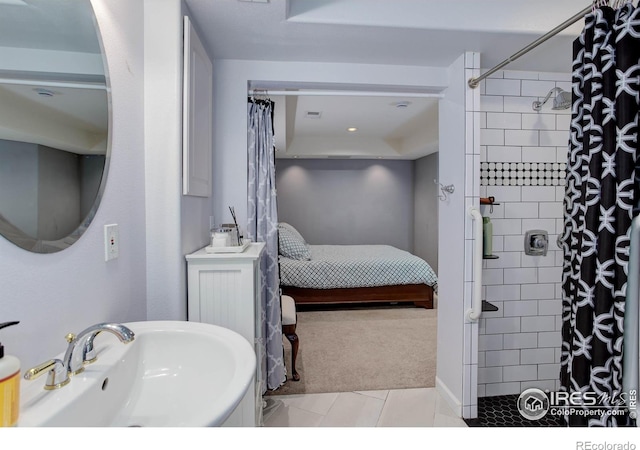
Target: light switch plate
x,y
111,242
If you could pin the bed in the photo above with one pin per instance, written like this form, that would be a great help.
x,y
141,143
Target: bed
x,y
325,274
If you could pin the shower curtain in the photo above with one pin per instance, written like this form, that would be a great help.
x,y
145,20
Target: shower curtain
x,y
263,227
598,208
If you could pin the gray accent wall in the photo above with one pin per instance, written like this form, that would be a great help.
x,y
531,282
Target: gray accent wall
x,y
91,169
58,193
425,210
46,192
348,202
19,185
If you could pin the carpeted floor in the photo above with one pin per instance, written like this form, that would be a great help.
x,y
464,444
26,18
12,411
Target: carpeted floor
x,y
359,349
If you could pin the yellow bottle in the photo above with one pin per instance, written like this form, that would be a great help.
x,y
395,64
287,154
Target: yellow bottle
x,y
9,386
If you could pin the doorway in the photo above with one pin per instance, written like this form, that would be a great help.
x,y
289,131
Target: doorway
x,y
350,172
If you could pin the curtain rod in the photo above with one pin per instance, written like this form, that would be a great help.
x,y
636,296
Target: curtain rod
x,y
474,82
347,93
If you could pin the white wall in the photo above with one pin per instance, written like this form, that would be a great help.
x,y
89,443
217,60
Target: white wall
x,y
176,224
458,163
519,344
231,79
55,294
162,119
347,202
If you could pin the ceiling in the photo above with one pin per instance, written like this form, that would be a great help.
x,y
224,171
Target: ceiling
x,y
52,83
46,25
396,32
406,32
396,127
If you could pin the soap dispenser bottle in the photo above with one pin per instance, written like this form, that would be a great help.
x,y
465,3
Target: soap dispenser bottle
x,y
487,237
9,386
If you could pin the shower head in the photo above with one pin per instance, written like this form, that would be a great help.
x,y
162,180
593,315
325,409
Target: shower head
x,y
562,100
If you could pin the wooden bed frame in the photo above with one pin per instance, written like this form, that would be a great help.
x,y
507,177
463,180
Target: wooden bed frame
x,y
419,294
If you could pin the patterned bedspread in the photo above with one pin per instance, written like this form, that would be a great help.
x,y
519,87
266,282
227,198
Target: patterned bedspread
x,y
346,266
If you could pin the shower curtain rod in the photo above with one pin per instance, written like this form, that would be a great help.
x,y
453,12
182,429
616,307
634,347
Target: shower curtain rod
x,y
319,92
474,82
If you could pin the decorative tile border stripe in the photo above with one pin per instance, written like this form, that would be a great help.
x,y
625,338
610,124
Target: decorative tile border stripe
x,y
522,173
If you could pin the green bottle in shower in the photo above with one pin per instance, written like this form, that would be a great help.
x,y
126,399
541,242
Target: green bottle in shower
x,y
487,236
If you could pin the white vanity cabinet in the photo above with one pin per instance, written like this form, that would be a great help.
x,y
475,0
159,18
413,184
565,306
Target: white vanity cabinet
x,y
224,289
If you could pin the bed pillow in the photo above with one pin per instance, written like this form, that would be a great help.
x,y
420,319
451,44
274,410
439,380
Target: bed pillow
x,y
293,230
292,245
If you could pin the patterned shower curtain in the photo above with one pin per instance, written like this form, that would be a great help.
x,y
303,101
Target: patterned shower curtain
x,y
598,207
263,227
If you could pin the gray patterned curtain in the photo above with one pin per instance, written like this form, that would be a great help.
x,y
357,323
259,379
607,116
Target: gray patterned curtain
x,y
263,227
599,203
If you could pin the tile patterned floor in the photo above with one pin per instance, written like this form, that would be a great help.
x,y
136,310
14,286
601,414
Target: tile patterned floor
x,y
422,407
502,411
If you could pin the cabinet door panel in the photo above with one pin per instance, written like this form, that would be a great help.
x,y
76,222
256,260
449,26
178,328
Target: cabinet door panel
x,y
197,116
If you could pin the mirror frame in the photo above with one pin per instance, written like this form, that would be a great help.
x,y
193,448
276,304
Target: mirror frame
x,y
35,245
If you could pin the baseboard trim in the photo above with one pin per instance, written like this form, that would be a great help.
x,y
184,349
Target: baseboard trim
x,y
451,399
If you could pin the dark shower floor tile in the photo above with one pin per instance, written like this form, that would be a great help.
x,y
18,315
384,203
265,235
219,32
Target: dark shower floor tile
x,y
502,411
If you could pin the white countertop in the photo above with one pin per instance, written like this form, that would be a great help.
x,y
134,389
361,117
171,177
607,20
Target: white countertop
x,y
252,252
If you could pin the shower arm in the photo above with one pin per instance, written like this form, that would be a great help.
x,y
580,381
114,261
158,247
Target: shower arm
x,y
537,105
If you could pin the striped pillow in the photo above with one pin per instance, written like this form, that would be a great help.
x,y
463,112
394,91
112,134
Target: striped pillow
x,y
291,244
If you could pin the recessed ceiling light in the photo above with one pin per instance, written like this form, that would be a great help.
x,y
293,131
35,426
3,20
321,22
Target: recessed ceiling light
x,y
44,92
352,129
401,104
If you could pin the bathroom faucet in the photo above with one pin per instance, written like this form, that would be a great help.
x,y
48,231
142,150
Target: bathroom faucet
x,y
74,358
79,351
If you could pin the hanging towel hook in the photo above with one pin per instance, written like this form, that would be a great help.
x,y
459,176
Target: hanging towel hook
x,y
448,189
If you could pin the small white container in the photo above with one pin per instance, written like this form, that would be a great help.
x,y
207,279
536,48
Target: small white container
x,y
221,237
233,234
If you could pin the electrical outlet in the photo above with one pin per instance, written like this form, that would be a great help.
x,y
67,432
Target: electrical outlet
x,y
111,242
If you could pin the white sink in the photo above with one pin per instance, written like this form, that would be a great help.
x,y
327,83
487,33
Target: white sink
x,y
172,374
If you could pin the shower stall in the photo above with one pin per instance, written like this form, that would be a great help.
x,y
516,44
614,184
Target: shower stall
x,y
560,187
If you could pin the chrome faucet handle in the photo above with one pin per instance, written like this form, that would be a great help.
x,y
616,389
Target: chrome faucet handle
x,y
73,363
89,353
539,242
57,375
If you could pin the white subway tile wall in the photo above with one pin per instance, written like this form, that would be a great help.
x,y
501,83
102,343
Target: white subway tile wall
x,y
475,120
522,163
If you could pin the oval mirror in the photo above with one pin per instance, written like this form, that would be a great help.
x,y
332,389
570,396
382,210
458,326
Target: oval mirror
x,y
54,122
